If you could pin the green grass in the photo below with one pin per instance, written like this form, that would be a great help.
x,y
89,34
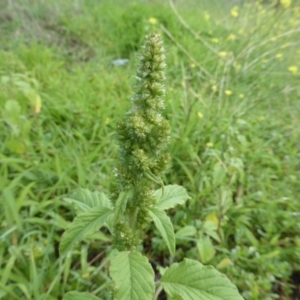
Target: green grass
x,y
233,104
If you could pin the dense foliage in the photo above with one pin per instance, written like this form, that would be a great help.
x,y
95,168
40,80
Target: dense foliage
x,y
233,105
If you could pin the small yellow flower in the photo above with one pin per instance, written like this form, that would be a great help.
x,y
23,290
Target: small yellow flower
x,y
224,263
206,16
263,12
37,104
279,55
228,92
231,37
200,115
214,88
293,69
152,21
241,96
85,275
223,54
235,11
215,40
193,66
107,120
293,22
209,144
285,3
285,45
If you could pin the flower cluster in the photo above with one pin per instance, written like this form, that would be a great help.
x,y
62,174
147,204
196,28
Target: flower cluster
x,y
143,136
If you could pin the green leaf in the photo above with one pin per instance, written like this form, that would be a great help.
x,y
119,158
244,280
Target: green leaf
x,y
11,113
219,174
164,226
133,276
186,231
193,281
121,204
84,224
206,249
85,199
251,237
210,228
170,196
16,146
79,296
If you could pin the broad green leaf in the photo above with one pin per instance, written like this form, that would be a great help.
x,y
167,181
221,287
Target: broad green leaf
x,y
79,296
206,249
186,231
84,199
133,276
193,281
84,224
170,196
121,204
164,226
100,236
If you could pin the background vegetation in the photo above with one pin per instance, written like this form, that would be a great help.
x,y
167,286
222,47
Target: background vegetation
x,y
233,104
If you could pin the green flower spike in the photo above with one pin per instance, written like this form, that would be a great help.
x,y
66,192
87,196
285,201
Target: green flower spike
x,y
143,136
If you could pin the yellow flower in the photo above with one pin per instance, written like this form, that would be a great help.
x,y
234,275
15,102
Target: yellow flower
x,y
284,46
224,263
223,54
293,69
193,66
152,21
206,16
285,3
263,12
292,22
241,96
231,37
37,104
235,11
279,55
214,88
200,115
209,144
215,40
228,92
